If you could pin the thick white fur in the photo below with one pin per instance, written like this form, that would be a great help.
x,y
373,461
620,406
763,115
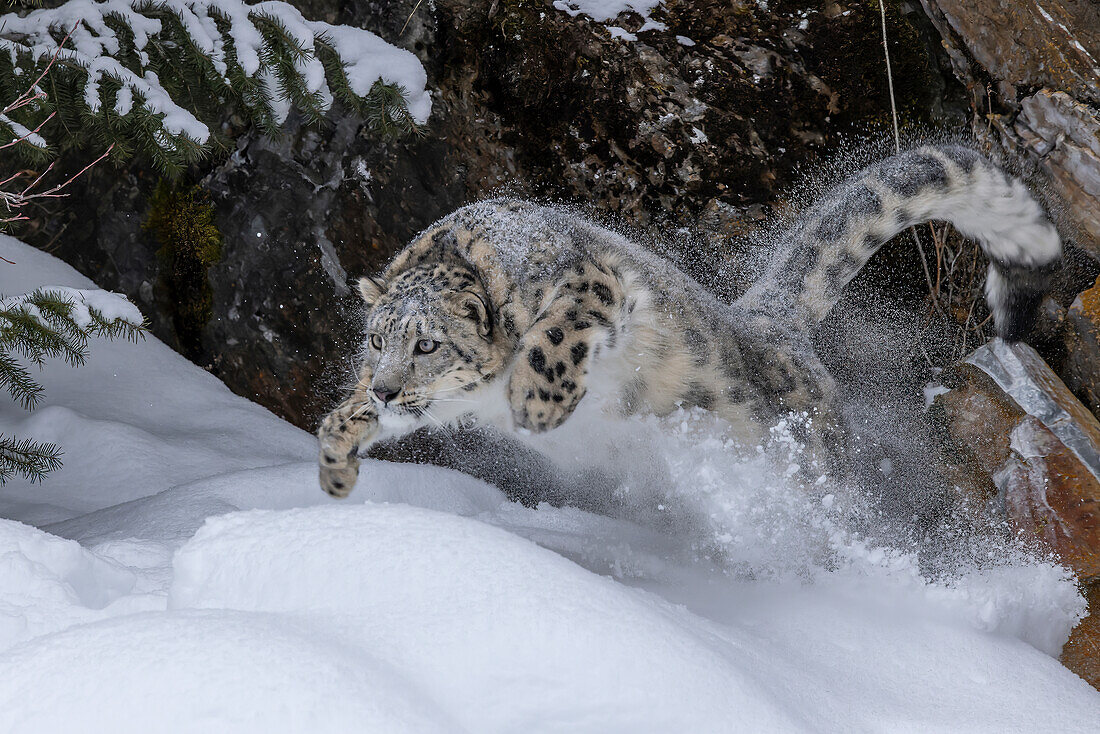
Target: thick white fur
x,y
997,211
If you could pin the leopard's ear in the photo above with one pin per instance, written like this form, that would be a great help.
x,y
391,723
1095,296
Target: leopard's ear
x,y
469,305
371,289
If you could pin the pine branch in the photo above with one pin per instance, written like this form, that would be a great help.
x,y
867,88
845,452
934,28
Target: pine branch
x,y
156,78
51,322
30,335
114,328
17,380
31,459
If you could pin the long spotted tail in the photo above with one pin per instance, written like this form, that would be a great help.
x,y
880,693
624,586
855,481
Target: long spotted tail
x,y
824,251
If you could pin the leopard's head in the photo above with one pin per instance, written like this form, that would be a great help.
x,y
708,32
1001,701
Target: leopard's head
x,y
429,338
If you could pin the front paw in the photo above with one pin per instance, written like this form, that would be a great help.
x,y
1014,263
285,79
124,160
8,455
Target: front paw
x,y
342,434
537,404
338,481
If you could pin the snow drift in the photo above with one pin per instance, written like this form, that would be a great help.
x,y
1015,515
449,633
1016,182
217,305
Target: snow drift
x,y
183,572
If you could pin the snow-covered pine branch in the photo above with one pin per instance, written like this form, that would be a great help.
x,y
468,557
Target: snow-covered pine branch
x,y
51,322
157,76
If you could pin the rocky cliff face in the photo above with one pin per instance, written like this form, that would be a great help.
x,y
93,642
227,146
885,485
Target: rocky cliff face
x,y
702,124
1033,79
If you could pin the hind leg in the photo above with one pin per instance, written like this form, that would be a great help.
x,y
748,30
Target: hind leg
x,y
793,380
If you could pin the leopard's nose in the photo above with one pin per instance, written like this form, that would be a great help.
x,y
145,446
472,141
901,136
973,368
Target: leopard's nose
x,y
385,394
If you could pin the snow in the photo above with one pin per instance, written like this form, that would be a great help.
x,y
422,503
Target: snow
x,y
603,11
621,33
23,134
92,42
183,572
110,306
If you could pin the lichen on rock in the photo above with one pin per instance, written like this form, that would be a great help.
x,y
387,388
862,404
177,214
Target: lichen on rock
x,y
181,218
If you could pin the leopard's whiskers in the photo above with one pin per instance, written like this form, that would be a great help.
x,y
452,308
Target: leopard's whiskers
x,y
464,385
356,414
438,422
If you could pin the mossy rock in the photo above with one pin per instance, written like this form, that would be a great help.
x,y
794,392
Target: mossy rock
x,y
181,219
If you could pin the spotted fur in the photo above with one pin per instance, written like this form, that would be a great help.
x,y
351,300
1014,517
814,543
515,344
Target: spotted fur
x,y
513,312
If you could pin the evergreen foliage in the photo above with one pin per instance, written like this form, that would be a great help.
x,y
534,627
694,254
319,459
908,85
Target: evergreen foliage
x,y
181,219
157,77
37,326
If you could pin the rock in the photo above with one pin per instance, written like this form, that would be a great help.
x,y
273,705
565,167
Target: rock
x,y
1026,45
1061,135
1032,75
977,418
1046,493
1042,449
1025,450
1081,370
1081,653
526,99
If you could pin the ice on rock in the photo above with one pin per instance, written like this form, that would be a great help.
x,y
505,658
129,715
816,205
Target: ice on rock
x,y
1023,375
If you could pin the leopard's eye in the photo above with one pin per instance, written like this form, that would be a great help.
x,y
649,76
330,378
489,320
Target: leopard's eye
x,y
376,341
426,346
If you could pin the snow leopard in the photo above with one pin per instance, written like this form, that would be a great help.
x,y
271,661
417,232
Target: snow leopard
x,y
512,312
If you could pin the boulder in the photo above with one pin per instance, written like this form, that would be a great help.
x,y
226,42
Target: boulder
x,y
1033,445
1081,369
1024,450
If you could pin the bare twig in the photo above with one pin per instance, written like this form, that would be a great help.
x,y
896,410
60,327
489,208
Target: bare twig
x,y
23,100
14,200
29,133
407,20
890,77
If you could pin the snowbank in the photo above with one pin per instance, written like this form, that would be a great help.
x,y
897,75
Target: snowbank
x,y
186,574
508,636
212,672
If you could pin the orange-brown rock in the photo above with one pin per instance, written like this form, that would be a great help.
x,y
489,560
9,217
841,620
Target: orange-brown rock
x,y
1046,494
1026,449
1081,653
978,418
1082,334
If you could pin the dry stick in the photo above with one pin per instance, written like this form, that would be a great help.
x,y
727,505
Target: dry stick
x,y
939,244
23,99
897,149
16,200
415,8
13,201
889,77
29,133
